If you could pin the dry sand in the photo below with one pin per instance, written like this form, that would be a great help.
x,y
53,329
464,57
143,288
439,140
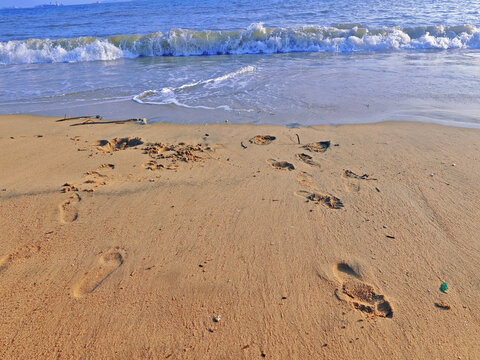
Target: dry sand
x,y
193,242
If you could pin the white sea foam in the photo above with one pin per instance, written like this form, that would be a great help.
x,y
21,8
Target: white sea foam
x,y
170,99
256,39
48,51
169,95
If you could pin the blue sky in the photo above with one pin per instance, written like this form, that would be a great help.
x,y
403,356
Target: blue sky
x,y
30,3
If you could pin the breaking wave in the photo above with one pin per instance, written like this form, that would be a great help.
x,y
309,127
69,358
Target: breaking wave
x,y
256,39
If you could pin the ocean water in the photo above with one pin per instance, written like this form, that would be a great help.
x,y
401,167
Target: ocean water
x,y
295,63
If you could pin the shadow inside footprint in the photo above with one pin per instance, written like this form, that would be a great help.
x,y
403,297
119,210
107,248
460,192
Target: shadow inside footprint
x,y
360,295
345,268
108,262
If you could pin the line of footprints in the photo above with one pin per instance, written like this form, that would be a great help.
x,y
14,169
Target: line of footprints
x,y
303,178
362,296
351,180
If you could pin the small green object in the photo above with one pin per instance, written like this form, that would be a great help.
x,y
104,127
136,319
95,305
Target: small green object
x,y
444,287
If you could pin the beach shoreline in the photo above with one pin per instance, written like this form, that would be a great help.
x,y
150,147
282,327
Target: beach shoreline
x,y
238,241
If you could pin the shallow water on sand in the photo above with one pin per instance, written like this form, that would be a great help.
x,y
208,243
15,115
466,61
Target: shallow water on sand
x,y
319,62
289,89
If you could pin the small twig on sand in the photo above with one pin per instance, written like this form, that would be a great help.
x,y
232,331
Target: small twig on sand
x,y
243,146
91,122
298,139
79,117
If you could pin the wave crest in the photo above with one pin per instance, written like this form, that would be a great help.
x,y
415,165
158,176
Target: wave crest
x,y
256,39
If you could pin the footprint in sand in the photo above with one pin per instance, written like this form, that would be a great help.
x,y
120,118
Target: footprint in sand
x,y
171,156
351,181
93,180
320,146
352,175
108,262
329,201
67,187
262,139
351,185
154,165
23,252
68,210
360,295
5,262
106,166
281,165
117,144
306,180
307,159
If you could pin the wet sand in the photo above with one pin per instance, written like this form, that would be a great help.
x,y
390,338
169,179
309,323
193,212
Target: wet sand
x,y
230,241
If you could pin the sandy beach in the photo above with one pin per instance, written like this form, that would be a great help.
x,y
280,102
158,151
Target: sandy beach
x,y
224,241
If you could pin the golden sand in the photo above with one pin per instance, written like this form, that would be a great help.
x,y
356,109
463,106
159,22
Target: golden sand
x,y
163,241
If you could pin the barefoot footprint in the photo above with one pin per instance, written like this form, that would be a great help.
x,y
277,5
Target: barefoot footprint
x,y
306,180
108,262
351,185
93,180
360,295
68,210
23,252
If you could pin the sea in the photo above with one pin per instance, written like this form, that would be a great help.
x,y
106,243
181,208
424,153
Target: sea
x,y
293,63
